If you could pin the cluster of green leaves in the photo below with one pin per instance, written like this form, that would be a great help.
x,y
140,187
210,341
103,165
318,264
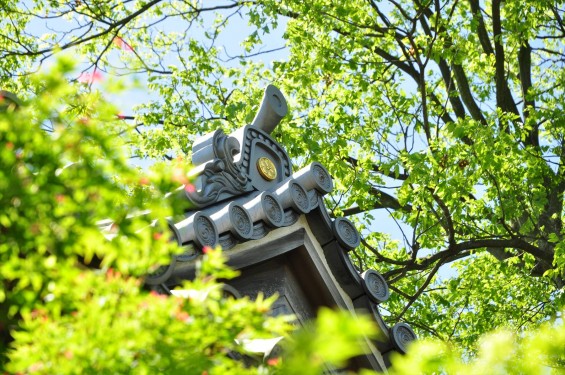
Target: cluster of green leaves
x,y
119,328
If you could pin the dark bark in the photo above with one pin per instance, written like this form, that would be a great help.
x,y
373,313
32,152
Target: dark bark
x,y
383,200
525,65
504,99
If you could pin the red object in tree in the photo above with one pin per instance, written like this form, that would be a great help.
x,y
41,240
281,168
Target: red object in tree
x,y
122,44
87,77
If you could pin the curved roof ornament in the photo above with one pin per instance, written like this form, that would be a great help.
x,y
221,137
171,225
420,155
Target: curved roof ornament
x,y
248,159
273,109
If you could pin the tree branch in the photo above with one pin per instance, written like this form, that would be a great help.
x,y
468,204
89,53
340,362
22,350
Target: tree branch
x,y
525,64
481,28
467,95
113,26
504,99
464,249
384,200
413,298
376,168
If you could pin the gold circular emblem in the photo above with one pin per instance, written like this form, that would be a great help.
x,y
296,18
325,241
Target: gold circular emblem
x,y
267,169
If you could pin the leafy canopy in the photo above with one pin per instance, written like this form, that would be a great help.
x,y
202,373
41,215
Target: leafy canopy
x,y
447,115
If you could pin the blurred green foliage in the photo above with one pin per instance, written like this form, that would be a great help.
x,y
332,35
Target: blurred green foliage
x,y
501,352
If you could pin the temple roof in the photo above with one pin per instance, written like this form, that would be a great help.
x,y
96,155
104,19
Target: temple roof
x,y
246,190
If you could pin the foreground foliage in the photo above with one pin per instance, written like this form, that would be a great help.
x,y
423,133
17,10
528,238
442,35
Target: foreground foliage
x,y
501,352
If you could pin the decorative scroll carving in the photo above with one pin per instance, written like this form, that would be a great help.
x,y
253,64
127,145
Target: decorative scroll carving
x,y
198,229
273,210
300,197
221,177
402,335
161,274
205,232
241,221
375,285
188,255
266,208
227,241
260,230
322,177
292,195
313,198
230,291
290,217
315,176
346,233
